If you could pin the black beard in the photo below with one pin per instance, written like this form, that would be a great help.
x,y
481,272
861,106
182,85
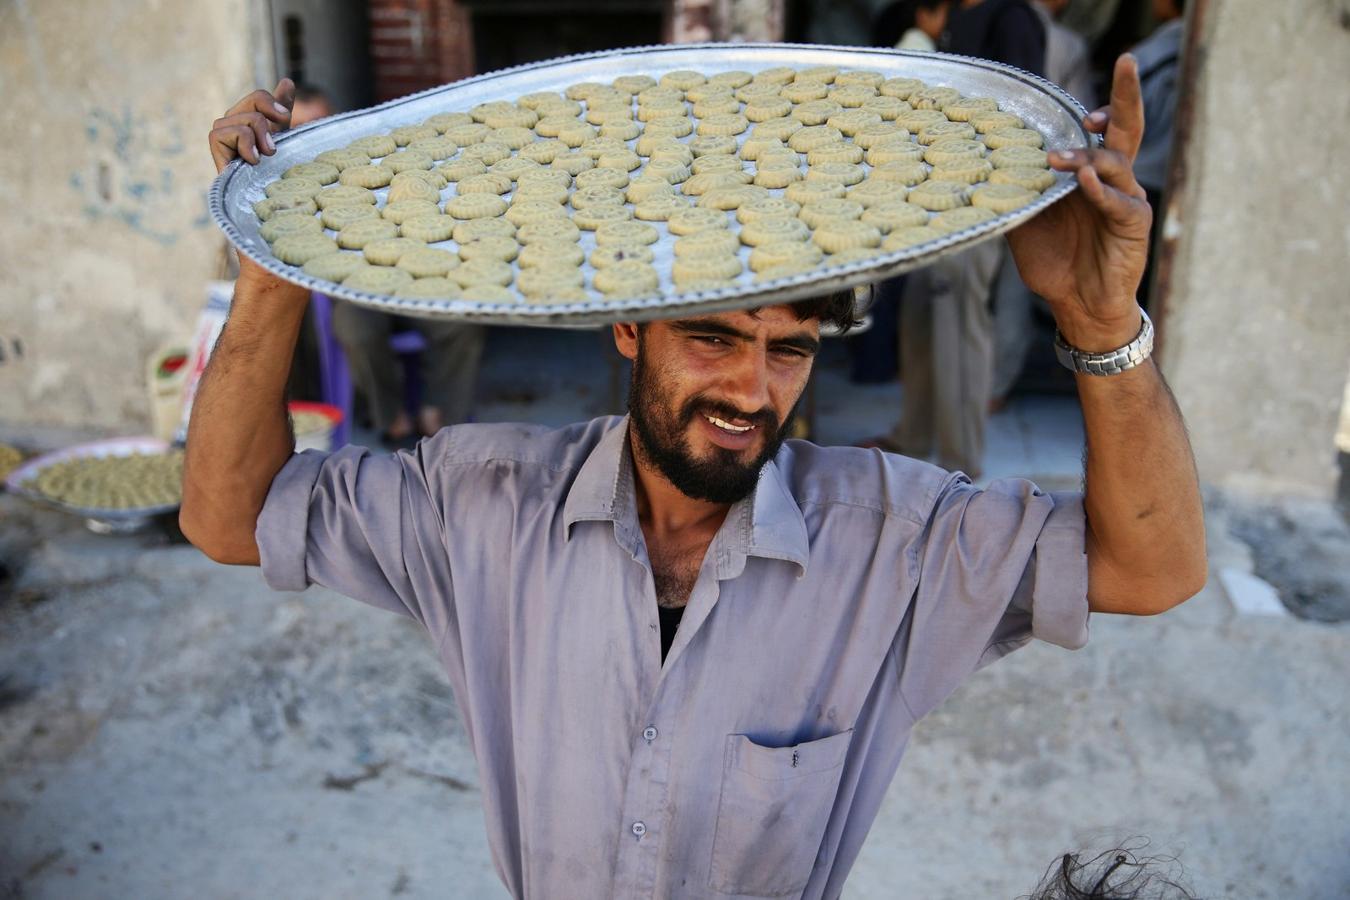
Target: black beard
x,y
721,478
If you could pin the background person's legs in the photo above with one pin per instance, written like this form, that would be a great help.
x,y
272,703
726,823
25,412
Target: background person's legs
x,y
1013,330
913,434
364,336
450,366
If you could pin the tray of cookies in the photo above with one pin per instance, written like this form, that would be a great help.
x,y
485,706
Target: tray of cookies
x,y
653,182
116,484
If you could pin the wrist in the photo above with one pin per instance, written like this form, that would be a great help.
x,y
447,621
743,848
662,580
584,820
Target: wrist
x,y
1094,334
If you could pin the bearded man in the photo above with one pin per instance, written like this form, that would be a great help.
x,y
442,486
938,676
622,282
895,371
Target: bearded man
x,y
815,602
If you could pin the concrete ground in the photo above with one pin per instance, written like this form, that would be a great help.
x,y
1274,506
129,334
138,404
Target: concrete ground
x,y
171,728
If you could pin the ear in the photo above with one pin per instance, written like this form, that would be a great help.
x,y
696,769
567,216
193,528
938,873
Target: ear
x,y
626,339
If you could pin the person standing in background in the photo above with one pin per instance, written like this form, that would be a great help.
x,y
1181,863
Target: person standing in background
x,y
1067,64
911,25
946,327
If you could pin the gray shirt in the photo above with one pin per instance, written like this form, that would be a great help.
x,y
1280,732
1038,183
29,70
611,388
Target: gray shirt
x,y
841,601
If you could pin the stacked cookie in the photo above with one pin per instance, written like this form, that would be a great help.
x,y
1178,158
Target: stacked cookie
x,y
645,186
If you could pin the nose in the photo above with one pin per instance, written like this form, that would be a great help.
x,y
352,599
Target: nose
x,y
746,383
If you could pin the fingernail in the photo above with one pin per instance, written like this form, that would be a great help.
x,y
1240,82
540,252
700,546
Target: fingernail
x,y
1097,117
281,109
1064,154
268,143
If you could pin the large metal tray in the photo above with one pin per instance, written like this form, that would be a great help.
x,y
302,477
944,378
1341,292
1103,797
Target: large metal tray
x,y
1041,104
103,521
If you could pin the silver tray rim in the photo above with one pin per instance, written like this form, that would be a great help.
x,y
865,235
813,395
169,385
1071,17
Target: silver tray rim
x,y
601,312
29,469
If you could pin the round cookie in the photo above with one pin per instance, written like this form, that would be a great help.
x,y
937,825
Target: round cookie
x,y
400,210
805,192
603,257
495,247
1016,157
841,172
1031,179
828,209
294,204
960,219
388,251
293,187
774,231
343,158
837,235
476,228
280,226
938,196
373,176
334,266
966,171
704,267
952,149
428,262
1002,198
377,279
356,235
659,207
344,194
554,229
339,217
413,189
703,243
902,151
298,249
322,172
689,221
543,254
593,217
476,206
542,283
481,271
875,191
428,229
782,253
625,233
629,277
405,160
766,207
374,146
888,217
1013,137
905,173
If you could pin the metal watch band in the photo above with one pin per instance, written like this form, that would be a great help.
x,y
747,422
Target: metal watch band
x,y
1113,362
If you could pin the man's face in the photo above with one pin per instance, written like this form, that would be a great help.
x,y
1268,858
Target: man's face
x,y
711,395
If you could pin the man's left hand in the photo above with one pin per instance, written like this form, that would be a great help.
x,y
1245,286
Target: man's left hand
x,y
1086,254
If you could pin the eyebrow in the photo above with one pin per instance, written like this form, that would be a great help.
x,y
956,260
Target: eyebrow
x,y
802,342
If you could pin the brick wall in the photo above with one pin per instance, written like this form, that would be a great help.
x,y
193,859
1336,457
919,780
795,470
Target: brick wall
x,y
418,44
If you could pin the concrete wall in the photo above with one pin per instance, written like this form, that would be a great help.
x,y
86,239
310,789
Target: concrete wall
x,y
105,245
1257,342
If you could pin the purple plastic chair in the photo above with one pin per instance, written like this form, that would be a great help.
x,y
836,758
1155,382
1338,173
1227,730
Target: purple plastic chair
x,y
335,381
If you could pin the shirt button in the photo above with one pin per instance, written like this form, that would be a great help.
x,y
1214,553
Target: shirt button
x,y
639,829
649,733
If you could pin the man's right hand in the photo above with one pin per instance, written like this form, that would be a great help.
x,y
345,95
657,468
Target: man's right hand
x,y
246,130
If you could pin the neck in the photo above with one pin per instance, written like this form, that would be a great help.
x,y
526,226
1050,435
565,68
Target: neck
x,y
662,508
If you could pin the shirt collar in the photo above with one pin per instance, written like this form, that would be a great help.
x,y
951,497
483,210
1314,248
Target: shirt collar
x,y
767,524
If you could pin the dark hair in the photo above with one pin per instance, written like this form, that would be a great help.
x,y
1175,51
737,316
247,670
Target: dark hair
x,y
1113,875
306,92
894,19
837,309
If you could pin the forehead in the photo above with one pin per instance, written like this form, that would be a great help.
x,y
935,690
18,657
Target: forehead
x,y
762,320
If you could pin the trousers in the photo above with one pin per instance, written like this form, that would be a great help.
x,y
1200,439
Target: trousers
x,y
449,365
947,358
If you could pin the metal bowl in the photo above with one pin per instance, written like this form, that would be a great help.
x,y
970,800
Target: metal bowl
x,y
1044,106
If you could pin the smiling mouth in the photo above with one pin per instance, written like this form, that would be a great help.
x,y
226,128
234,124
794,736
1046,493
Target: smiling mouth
x,y
728,427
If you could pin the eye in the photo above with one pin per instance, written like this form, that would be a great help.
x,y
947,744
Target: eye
x,y
710,340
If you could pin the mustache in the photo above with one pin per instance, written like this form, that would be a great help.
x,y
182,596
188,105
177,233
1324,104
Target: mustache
x,y
696,406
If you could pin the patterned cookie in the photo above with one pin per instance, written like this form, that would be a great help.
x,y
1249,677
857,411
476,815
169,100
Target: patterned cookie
x,y
723,124
941,131
985,122
344,194
751,148
782,253
525,212
659,207
777,176
1017,157
545,254
900,88
905,173
782,129
843,173
476,206
389,251
814,136
902,151
938,196
1002,198
888,217
888,108
543,282
334,266
816,112
486,152
935,98
836,235
804,91
716,104
339,217
596,195
483,292
428,229
695,219
476,228
322,172
356,235
850,121
413,189
838,152
293,187
429,289
406,134
468,135
272,206
593,217
540,191
647,186
766,207
298,249
400,210
481,271
1013,137
919,119
486,183
708,243
966,171
805,192
602,257
774,231
407,159
343,158
377,279
959,219
1031,179
875,191
438,148
428,262
373,176
543,152
818,212
726,198
704,267
500,248
443,122
708,144
629,277
732,78
962,110
625,233
374,146
280,226
573,163
949,151
559,229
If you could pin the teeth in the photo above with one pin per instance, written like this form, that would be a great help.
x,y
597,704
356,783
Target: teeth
x,y
738,429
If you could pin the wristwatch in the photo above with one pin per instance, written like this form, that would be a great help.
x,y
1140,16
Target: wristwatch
x,y
1112,362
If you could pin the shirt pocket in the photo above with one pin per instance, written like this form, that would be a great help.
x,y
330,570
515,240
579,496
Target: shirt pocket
x,y
772,813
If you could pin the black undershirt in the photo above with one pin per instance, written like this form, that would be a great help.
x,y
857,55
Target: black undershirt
x,y
670,622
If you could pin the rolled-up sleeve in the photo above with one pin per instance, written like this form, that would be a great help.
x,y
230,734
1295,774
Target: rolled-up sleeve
x,y
997,566
365,525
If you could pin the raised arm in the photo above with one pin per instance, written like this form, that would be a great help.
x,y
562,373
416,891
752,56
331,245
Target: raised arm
x,y
240,436
1085,256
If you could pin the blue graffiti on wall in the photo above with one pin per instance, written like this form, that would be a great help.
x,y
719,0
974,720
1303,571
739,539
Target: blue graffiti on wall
x,y
128,178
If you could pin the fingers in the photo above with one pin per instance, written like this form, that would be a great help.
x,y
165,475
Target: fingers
x,y
277,114
234,140
1125,129
1111,165
1097,120
284,93
1119,207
